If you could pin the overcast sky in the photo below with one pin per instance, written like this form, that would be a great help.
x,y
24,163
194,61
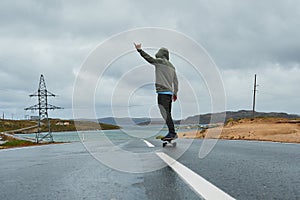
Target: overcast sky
x,y
54,38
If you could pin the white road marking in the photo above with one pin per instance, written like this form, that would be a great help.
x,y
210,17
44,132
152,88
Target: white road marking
x,y
149,144
201,186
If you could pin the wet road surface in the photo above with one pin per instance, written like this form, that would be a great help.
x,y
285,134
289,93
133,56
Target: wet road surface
x,y
244,170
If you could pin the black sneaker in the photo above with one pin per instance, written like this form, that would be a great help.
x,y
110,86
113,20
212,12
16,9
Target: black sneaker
x,y
170,136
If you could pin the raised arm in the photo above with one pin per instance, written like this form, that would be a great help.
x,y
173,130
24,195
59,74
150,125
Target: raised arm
x,y
146,56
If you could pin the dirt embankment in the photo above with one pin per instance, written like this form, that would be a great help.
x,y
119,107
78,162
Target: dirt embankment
x,y
265,129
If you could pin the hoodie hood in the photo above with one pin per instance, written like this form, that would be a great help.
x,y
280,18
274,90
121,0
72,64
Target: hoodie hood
x,y
162,53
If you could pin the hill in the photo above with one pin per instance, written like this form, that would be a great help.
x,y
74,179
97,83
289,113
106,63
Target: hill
x,y
125,121
260,128
206,118
57,125
196,119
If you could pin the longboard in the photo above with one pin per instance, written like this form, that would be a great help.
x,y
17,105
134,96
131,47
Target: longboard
x,y
169,142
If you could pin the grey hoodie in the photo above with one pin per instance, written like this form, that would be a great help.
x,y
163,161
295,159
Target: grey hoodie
x,y
165,73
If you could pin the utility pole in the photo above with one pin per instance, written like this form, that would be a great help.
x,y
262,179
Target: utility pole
x,y
254,96
43,108
2,124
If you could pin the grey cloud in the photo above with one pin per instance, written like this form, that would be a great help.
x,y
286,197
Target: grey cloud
x,y
245,33
55,37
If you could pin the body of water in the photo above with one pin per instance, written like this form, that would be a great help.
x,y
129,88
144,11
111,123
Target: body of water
x,y
121,134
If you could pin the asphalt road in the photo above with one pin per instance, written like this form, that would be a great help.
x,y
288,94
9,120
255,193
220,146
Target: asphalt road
x,y
244,170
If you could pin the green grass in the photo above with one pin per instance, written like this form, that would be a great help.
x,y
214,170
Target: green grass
x,y
17,143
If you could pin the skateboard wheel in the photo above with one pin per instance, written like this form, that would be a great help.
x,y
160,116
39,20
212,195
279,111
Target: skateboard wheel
x,y
164,144
174,144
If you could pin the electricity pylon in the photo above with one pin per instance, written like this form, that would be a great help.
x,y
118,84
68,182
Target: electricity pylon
x,y
43,106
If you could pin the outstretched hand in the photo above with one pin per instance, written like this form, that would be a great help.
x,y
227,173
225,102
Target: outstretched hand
x,y
138,46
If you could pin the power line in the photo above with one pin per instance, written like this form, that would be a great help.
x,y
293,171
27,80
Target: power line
x,y
254,97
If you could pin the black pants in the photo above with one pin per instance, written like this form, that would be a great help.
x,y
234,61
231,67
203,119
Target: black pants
x,y
165,105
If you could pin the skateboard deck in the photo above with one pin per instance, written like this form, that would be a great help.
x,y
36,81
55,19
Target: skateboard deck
x,y
167,142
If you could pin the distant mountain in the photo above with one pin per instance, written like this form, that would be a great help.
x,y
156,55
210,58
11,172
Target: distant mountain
x,y
206,118
197,119
125,121
153,121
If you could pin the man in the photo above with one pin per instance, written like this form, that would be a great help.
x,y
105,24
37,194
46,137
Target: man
x,y
166,84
